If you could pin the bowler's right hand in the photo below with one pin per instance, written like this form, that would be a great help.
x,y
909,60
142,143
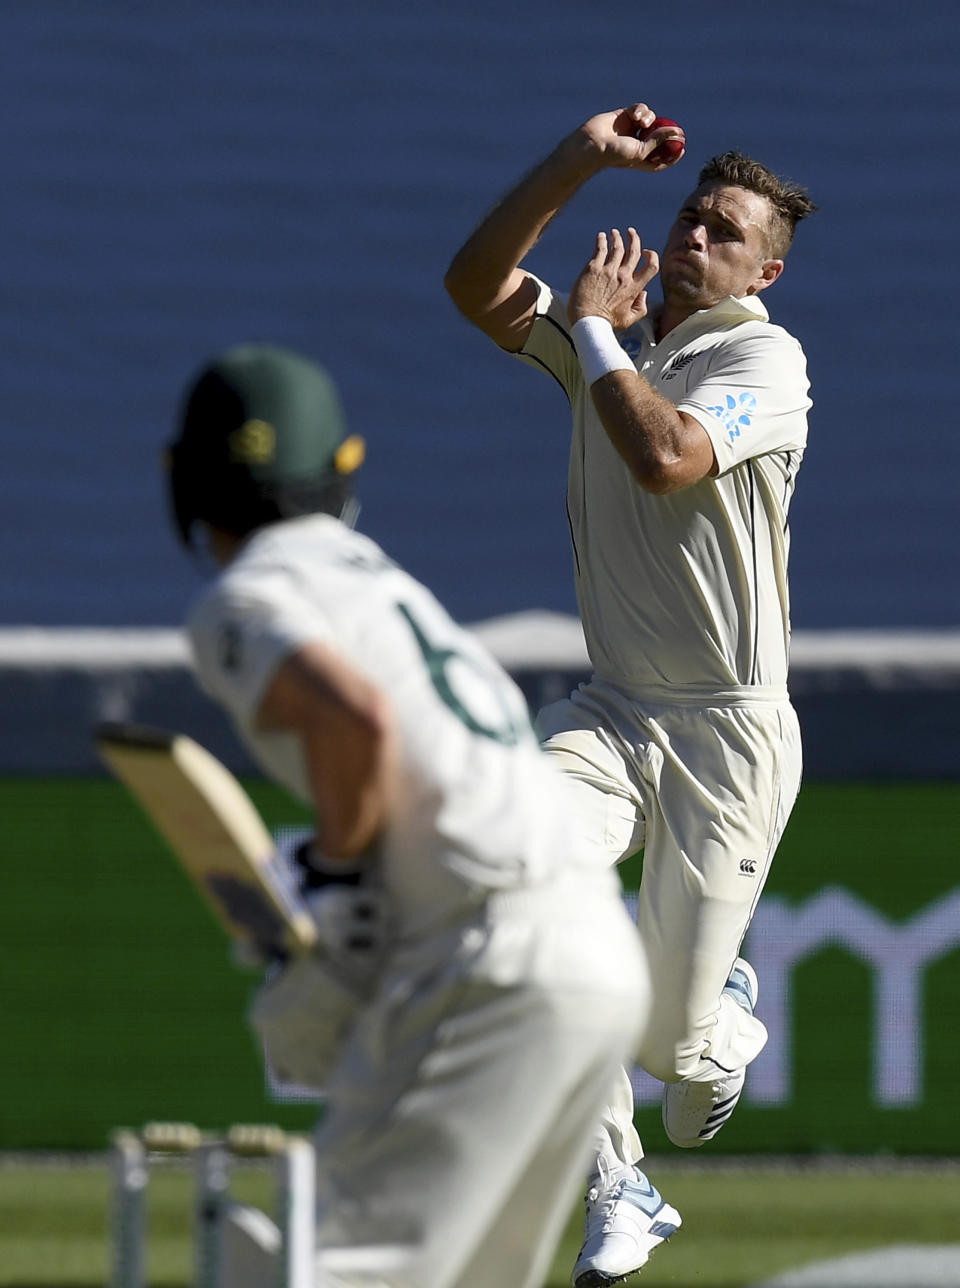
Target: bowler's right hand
x,y
614,136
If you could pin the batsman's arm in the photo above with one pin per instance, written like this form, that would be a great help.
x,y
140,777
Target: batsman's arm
x,y
484,279
348,736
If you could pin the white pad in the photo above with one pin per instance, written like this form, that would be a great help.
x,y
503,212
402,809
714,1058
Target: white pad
x,y
303,1014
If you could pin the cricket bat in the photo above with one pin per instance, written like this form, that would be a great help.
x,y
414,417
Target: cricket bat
x,y
214,829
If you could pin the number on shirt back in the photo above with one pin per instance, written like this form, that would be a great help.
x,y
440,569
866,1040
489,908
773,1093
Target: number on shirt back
x,y
471,689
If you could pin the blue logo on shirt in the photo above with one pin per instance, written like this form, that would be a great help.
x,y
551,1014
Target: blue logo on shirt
x,y
734,414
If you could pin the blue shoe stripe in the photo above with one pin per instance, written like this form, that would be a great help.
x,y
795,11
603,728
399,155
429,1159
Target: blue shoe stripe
x,y
739,985
663,1229
645,1197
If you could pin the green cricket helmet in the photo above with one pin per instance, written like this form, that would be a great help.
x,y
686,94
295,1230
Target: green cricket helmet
x,y
262,437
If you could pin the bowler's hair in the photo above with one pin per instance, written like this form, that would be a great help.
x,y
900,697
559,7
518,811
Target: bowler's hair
x,y
789,203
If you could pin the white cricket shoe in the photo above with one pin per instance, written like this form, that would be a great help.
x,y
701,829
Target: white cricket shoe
x,y
623,1225
693,1112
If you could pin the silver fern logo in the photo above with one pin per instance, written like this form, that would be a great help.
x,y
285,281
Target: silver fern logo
x,y
677,364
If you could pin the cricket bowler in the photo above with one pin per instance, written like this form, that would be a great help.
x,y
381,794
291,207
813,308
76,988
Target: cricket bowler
x,y
689,426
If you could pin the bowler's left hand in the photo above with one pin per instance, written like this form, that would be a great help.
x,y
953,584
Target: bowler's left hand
x,y
613,284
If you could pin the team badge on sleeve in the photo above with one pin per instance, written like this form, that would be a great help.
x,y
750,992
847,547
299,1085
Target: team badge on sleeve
x,y
735,413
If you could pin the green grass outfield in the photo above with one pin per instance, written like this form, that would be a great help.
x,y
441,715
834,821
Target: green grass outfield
x,y
742,1221
122,1006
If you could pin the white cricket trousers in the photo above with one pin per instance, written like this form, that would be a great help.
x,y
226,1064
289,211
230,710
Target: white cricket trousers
x,y
463,1111
705,789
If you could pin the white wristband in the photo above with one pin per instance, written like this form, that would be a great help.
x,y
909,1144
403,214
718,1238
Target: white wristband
x,y
598,349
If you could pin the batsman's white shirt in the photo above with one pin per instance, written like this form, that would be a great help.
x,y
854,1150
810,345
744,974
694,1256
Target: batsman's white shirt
x,y
687,591
461,1107
479,809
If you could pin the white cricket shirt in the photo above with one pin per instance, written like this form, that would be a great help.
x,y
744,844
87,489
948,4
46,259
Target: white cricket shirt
x,y
480,805
685,595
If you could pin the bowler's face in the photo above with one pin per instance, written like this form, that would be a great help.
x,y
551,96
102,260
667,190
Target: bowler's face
x,y
716,247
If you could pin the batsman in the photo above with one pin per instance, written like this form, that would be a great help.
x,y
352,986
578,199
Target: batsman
x,y
689,426
479,1013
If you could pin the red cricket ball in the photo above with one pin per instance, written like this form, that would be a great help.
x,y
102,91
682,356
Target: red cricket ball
x,y
670,149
